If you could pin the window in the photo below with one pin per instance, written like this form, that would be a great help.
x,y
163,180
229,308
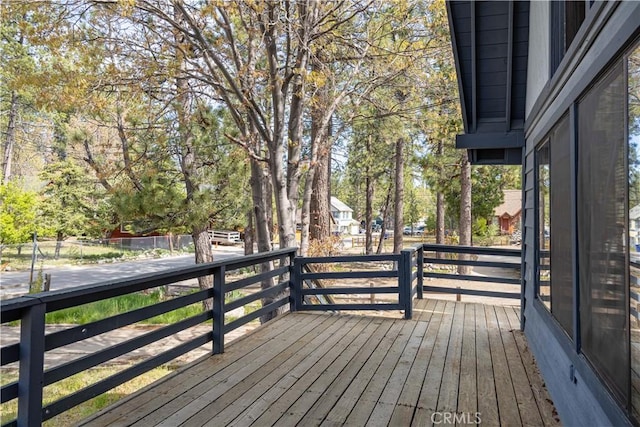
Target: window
x,y
566,19
555,283
633,160
602,242
544,229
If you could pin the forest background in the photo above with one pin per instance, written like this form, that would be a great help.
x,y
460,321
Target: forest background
x,y
181,117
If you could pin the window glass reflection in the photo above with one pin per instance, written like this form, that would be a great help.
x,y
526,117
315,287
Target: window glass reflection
x,y
633,114
544,225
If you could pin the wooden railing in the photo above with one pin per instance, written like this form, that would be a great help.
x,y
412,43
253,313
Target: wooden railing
x,y
288,271
34,343
404,269
444,255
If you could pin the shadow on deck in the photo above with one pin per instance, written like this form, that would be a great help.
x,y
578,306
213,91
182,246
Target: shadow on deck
x,y
454,363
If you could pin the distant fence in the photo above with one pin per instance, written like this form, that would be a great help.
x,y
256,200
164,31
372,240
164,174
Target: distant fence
x,y
22,255
176,242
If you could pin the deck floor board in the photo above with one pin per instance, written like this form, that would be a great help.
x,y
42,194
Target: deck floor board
x,y
465,361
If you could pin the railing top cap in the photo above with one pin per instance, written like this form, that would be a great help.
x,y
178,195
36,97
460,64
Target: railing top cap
x,y
154,279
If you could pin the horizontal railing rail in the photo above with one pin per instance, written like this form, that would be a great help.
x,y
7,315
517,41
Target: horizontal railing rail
x,y
277,279
31,311
402,270
436,254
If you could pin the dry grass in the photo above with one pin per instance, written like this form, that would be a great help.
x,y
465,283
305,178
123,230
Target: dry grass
x,y
53,392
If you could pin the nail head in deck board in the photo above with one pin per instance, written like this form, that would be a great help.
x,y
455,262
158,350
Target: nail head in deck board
x,y
204,403
529,414
448,397
220,381
282,396
383,410
363,409
150,395
325,403
467,390
403,412
428,399
343,407
507,403
299,409
487,399
340,369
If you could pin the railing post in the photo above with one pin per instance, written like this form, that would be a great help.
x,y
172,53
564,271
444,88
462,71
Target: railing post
x,y
404,282
420,256
218,310
295,268
31,380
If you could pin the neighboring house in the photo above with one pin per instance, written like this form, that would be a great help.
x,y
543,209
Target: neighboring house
x,y
634,228
131,229
555,87
343,217
508,214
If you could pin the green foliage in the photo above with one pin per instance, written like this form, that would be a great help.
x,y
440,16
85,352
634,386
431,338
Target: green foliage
x,y
71,205
18,214
113,306
68,386
484,228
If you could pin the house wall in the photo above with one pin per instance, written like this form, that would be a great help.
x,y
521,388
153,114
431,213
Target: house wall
x,y
538,75
581,399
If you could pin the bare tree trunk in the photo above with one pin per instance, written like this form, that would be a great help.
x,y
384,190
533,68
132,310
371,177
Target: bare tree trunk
x,y
203,255
385,215
261,207
267,195
465,211
249,234
398,210
440,209
319,227
59,237
320,224
10,138
368,209
440,213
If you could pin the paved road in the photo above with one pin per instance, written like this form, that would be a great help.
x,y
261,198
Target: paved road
x,y
15,283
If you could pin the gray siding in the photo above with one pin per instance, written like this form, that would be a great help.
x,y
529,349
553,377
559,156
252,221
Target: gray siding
x,y
607,29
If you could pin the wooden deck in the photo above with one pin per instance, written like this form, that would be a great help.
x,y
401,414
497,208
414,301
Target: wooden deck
x,y
322,369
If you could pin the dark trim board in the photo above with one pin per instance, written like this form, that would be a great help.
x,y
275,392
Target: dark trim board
x,y
513,139
566,90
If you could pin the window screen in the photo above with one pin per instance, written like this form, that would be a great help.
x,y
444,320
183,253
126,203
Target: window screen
x,y
543,160
633,156
602,182
555,283
561,275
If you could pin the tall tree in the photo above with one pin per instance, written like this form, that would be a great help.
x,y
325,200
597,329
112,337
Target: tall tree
x,y
465,211
70,204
